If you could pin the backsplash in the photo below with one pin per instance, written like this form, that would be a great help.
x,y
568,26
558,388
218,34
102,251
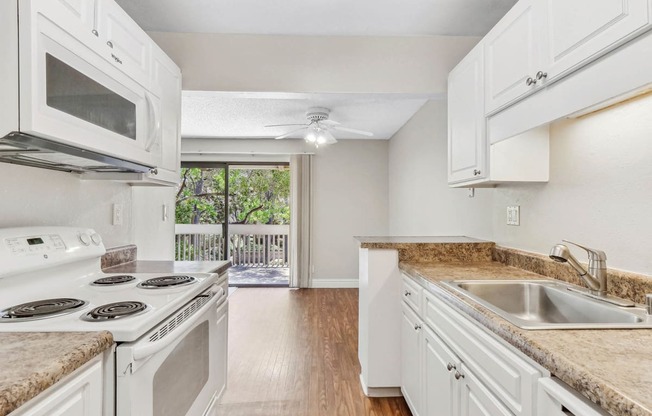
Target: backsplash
x,y
623,284
119,255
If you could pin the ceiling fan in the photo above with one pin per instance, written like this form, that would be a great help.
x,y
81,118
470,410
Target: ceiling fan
x,y
319,127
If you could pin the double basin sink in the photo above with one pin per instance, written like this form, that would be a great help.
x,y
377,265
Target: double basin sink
x,y
543,304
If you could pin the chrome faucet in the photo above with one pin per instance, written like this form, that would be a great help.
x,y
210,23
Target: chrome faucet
x,y
595,277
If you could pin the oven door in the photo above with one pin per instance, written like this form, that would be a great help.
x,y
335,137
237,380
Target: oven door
x,y
71,94
173,369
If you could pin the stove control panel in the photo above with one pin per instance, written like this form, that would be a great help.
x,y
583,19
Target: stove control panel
x,y
35,244
29,249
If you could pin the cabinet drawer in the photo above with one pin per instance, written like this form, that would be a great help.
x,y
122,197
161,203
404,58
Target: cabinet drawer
x,y
412,293
508,376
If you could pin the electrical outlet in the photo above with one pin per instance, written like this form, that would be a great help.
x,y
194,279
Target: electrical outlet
x,y
117,214
513,215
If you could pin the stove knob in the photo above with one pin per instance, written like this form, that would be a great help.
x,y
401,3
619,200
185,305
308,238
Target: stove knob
x,y
84,239
96,239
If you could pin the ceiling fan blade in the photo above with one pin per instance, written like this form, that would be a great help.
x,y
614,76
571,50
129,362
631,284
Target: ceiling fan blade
x,y
354,131
329,122
285,125
289,134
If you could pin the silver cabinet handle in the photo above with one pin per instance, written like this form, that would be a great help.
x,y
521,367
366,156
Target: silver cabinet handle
x,y
95,32
542,75
153,171
108,42
417,327
530,81
476,172
458,375
450,367
408,293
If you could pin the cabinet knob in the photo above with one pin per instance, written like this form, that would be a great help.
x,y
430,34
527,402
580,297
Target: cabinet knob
x,y
417,327
530,81
458,375
108,42
153,171
542,75
476,172
95,32
407,293
450,367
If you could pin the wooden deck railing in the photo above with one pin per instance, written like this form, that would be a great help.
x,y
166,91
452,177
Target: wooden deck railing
x,y
251,245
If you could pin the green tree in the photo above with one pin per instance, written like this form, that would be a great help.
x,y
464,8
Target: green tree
x,y
256,196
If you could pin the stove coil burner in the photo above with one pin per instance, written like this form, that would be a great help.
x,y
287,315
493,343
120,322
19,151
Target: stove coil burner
x,y
40,309
113,280
167,281
116,310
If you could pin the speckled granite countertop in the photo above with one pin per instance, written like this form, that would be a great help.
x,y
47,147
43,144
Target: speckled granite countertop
x,y
434,248
32,362
173,267
612,368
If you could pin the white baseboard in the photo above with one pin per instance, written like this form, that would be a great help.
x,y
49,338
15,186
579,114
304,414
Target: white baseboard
x,y
334,283
379,391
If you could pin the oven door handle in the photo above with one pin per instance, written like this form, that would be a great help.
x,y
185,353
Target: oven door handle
x,y
142,352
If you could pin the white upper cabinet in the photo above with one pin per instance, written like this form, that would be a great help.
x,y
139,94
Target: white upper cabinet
x,y
126,44
167,77
580,30
81,10
467,145
513,54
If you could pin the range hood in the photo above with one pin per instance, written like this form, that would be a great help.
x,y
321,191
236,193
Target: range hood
x,y
23,149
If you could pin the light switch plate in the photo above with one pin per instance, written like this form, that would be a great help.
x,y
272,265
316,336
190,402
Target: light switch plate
x,y
514,215
117,214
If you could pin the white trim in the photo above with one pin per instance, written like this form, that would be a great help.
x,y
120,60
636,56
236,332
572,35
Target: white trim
x,y
379,391
334,283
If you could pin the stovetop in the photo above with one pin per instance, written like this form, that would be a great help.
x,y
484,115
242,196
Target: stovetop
x,y
61,264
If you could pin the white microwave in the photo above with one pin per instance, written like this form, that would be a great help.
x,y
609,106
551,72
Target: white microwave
x,y
71,97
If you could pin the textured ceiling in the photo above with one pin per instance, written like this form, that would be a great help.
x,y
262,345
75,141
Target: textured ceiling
x,y
244,115
320,17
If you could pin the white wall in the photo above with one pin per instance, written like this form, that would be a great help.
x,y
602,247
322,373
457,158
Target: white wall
x,y
214,62
420,201
599,193
31,196
154,234
350,198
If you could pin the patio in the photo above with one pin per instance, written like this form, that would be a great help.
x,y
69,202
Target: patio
x,y
243,276
259,253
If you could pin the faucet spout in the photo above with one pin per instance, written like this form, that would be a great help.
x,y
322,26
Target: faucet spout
x,y
596,276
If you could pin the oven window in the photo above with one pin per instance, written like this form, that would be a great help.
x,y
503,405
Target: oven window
x,y
74,93
183,374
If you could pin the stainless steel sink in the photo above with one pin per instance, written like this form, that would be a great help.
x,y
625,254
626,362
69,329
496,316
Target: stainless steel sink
x,y
544,304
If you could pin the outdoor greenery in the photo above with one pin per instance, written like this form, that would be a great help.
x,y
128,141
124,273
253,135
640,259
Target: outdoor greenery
x,y
256,196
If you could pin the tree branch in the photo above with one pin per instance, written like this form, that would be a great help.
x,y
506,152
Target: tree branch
x,y
246,218
183,183
200,195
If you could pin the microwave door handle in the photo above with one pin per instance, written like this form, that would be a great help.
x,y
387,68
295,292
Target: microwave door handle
x,y
153,123
143,351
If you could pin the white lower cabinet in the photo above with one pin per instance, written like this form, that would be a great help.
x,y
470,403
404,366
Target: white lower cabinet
x,y
441,390
476,399
79,394
411,346
452,367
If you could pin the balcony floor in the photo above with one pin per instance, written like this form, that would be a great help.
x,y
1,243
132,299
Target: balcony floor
x,y
243,276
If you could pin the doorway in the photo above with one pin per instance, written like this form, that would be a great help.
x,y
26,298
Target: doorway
x,y
237,212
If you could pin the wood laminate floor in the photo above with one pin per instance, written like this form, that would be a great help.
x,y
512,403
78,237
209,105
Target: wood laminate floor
x,y
294,353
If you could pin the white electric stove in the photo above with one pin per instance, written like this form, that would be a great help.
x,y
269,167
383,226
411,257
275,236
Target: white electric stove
x,y
51,280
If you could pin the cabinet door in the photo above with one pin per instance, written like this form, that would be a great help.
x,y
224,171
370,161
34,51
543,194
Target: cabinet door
x,y
167,77
513,54
411,360
441,392
127,45
467,145
580,30
475,399
79,395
